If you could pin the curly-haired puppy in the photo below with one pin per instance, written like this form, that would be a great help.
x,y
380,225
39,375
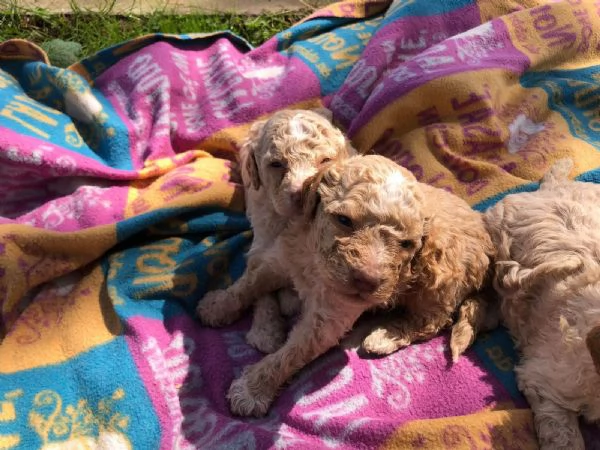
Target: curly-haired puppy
x,y
276,158
363,226
447,277
548,278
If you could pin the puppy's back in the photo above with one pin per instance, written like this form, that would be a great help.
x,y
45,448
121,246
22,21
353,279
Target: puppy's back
x,y
543,237
529,227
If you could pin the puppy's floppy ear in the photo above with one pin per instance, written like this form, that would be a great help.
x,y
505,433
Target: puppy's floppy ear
x,y
324,112
252,170
250,174
426,246
427,221
310,193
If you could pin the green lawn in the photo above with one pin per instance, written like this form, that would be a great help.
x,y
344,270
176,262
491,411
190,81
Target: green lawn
x,y
97,30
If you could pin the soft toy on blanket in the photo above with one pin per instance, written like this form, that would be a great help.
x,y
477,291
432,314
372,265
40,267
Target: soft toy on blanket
x,y
372,236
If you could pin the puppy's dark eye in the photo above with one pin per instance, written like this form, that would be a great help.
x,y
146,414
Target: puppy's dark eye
x,y
344,220
276,164
407,243
325,161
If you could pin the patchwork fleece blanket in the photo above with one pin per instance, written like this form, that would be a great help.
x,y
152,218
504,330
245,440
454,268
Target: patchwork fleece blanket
x,y
120,207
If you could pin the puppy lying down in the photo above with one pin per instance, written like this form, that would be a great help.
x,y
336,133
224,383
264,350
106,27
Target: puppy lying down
x,y
448,275
364,229
548,278
277,157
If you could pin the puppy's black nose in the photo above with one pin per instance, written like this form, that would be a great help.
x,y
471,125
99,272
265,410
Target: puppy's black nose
x,y
364,281
296,199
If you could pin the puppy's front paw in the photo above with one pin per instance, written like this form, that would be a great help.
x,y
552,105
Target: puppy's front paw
x,y
267,339
289,302
381,342
559,433
218,308
247,400
461,338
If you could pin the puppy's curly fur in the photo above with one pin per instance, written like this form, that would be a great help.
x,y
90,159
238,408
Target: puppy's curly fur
x,y
363,226
449,272
548,278
277,157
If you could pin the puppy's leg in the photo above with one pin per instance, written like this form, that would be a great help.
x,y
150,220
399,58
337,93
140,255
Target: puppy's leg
x,y
475,314
267,333
289,302
556,427
558,264
395,333
224,306
254,391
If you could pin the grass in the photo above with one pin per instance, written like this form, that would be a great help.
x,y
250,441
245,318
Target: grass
x,y
97,30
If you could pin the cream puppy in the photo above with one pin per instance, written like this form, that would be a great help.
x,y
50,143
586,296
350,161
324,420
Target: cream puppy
x,y
363,226
548,278
277,157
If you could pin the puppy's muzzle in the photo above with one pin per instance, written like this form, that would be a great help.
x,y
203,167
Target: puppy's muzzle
x,y
365,281
296,200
